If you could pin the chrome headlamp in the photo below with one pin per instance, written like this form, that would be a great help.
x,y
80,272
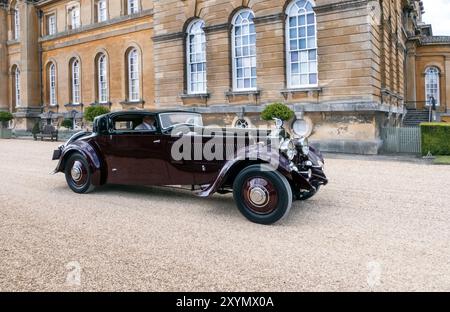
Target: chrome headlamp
x,y
303,145
305,150
288,148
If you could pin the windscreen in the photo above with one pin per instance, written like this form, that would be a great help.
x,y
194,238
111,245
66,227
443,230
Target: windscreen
x,y
169,120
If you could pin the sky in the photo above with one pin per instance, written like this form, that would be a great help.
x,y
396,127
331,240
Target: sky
x,y
437,13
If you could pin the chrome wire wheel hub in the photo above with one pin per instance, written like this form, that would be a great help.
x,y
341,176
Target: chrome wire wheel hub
x,y
76,172
259,196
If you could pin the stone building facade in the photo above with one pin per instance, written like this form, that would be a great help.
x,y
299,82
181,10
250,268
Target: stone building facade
x,y
344,66
359,47
19,62
429,74
72,54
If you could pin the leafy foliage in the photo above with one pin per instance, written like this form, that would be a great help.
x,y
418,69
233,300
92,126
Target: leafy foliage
x,y
67,123
442,160
277,110
94,111
435,138
36,128
6,116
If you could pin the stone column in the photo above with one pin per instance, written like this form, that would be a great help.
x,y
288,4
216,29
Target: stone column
x,y
28,113
271,65
3,61
447,83
411,75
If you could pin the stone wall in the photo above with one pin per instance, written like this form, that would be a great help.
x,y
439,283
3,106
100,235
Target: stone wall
x,y
24,53
433,55
388,51
4,98
361,52
114,41
362,48
347,66
114,38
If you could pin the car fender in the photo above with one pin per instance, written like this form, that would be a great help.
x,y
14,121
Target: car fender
x,y
253,155
85,149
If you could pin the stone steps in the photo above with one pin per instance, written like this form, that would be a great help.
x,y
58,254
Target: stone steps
x,y
415,117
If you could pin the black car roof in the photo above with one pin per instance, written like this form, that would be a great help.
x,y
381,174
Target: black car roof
x,y
146,112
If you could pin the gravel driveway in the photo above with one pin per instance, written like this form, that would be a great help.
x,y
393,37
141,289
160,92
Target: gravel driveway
x,y
379,225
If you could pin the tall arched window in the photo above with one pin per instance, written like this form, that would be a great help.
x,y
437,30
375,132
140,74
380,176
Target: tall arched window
x,y
102,79
196,58
75,81
52,84
133,75
432,85
244,51
16,22
16,86
301,44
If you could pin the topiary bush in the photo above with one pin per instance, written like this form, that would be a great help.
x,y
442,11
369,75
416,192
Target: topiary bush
x,y
5,117
435,138
36,128
277,110
94,111
67,123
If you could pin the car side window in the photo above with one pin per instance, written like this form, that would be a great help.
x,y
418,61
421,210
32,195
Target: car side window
x,y
128,124
123,126
146,124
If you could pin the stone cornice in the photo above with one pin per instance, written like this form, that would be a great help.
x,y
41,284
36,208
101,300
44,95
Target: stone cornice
x,y
218,27
96,26
274,18
349,4
41,3
93,37
435,40
349,106
168,37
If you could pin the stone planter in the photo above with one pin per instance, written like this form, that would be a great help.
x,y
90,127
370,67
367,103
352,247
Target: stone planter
x,y
5,133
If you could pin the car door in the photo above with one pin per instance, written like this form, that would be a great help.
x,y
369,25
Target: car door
x,y
182,171
195,168
137,158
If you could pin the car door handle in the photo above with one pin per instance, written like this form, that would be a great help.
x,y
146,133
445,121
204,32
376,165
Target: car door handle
x,y
157,141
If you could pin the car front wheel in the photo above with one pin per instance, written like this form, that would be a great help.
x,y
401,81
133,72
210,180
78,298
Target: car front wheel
x,y
262,194
78,174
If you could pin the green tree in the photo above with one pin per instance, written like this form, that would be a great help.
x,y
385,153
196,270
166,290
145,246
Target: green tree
x,y
36,128
67,123
277,110
94,111
5,117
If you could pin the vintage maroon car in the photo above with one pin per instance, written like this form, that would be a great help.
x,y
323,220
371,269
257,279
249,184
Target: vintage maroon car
x,y
175,149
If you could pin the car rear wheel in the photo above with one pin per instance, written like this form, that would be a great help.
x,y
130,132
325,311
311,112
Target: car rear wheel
x,y
262,194
78,174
